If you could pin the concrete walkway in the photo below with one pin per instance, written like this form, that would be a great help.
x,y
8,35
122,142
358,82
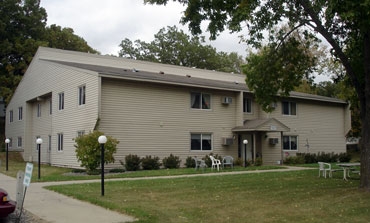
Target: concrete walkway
x,y
57,208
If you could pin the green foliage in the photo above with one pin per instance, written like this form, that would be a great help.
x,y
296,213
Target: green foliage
x,y
258,161
132,162
344,157
294,160
190,162
150,163
171,162
173,46
88,150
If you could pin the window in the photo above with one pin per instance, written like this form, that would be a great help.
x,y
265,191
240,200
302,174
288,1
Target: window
x,y
80,133
20,113
61,101
81,95
60,141
247,105
50,107
38,110
201,141
19,142
49,142
290,142
11,116
289,108
200,101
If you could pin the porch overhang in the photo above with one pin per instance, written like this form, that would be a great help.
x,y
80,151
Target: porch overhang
x,y
262,125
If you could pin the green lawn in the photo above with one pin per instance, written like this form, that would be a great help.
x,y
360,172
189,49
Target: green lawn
x,y
296,196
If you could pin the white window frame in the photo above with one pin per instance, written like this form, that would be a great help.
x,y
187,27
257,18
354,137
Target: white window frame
x,y
82,95
201,98
245,109
290,106
202,138
19,142
11,116
290,143
20,113
38,110
60,142
61,101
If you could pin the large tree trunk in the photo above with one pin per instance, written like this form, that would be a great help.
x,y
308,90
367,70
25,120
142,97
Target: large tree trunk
x,y
365,118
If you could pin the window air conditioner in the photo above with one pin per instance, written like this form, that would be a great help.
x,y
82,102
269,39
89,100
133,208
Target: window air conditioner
x,y
227,141
227,100
273,141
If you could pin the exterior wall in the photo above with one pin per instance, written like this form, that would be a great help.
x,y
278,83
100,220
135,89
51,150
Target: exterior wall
x,y
322,125
45,78
150,119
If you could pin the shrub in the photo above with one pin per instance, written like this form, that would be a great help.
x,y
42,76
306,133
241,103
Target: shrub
x,y
132,162
294,160
344,157
88,150
171,162
327,157
117,170
258,161
190,162
208,160
238,162
149,163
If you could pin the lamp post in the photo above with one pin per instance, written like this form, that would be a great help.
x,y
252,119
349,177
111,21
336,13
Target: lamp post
x,y
39,142
245,142
102,140
7,141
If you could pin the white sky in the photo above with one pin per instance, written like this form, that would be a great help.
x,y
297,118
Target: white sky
x,y
104,24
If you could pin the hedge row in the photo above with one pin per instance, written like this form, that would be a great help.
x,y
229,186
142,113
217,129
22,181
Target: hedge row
x,y
302,158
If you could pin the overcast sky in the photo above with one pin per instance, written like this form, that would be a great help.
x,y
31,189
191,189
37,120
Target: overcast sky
x,y
104,24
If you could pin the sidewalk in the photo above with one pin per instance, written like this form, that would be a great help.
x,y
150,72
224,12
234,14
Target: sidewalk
x,y
57,208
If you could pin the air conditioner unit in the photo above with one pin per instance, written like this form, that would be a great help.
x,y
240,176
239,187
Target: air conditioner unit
x,y
227,141
273,141
227,100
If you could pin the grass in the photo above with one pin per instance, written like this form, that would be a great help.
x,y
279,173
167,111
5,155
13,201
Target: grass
x,y
295,196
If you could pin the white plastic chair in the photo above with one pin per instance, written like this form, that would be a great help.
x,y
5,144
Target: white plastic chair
x,y
228,160
323,168
215,162
199,163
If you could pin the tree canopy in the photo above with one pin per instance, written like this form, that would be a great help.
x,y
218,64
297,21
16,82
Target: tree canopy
x,y
173,46
343,24
22,30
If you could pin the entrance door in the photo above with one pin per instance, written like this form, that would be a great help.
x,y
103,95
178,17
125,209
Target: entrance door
x,y
247,149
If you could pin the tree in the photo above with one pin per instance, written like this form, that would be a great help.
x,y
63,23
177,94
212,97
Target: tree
x,y
173,46
88,150
343,24
64,38
22,30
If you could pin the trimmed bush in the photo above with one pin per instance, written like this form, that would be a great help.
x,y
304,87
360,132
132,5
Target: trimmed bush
x,y
132,162
344,157
171,162
258,161
149,163
190,162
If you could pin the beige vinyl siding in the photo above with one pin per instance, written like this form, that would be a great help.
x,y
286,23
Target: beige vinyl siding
x,y
151,119
322,124
48,78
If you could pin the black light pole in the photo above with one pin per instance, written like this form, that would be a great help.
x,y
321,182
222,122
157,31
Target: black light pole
x,y
245,142
102,140
38,142
7,141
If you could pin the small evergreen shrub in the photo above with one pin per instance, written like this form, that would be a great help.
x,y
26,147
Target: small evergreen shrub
x,y
171,162
117,170
238,162
294,160
258,161
132,162
150,163
190,162
344,157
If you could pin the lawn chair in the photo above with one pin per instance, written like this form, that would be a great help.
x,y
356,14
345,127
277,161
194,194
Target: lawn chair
x,y
228,160
199,163
323,168
215,162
